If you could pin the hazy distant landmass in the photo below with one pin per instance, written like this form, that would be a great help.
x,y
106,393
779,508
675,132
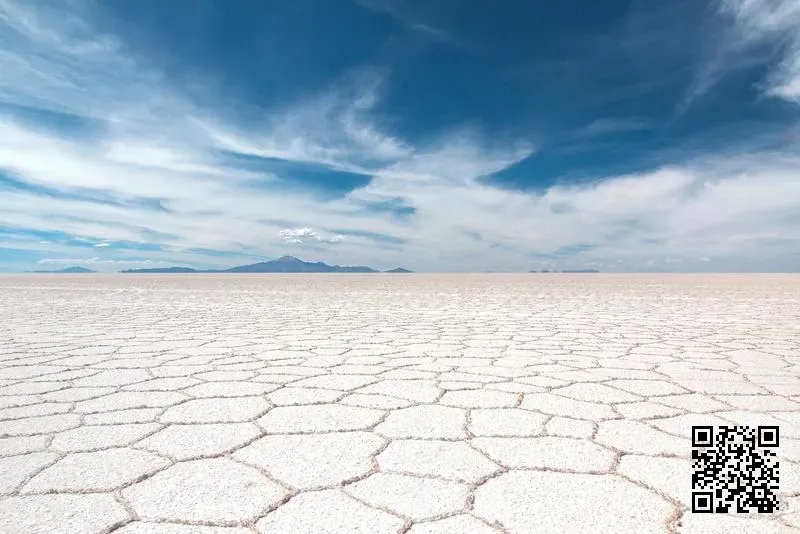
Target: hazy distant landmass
x,y
285,264
398,270
570,271
67,270
164,270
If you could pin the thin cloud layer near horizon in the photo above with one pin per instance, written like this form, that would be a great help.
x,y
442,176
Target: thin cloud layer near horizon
x,y
455,135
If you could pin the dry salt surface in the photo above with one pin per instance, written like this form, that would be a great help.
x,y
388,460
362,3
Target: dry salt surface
x,y
232,404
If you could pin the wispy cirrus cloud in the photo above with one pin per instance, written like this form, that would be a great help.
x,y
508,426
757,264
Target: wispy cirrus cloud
x,y
335,128
403,13
771,21
753,32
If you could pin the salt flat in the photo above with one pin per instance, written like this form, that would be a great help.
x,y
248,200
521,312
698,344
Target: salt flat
x,y
386,403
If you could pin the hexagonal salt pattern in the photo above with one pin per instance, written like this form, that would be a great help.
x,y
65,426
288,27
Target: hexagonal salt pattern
x,y
372,403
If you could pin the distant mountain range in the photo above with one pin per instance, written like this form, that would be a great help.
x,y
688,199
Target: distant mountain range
x,y
67,270
285,264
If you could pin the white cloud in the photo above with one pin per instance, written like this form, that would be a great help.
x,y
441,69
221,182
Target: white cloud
x,y
725,212
303,235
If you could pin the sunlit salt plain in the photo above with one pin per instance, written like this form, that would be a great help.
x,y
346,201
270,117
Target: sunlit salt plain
x,y
232,404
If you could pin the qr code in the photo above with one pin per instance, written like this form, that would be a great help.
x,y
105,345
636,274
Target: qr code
x,y
734,465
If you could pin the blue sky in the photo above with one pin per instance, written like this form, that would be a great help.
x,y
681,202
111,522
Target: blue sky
x,y
448,135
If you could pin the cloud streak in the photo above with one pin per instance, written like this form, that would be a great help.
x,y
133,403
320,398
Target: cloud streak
x,y
399,11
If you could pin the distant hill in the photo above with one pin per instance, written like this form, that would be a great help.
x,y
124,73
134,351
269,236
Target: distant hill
x,y
285,264
398,270
68,270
